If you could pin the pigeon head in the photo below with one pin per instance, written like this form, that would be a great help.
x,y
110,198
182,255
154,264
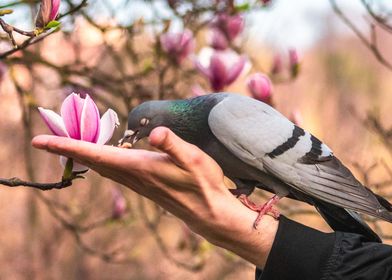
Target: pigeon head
x,y
144,118
187,118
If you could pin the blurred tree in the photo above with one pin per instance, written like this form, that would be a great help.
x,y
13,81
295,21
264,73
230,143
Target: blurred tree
x,y
122,53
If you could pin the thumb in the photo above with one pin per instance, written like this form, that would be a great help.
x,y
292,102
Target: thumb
x,y
181,152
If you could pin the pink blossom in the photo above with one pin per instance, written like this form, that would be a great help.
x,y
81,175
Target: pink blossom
x,y
230,25
221,68
80,120
177,45
218,40
294,62
260,87
48,11
119,205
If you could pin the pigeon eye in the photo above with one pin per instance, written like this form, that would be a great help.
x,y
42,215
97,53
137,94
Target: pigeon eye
x,y
144,121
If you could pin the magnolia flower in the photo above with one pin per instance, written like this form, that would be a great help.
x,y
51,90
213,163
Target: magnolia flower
x,y
231,26
48,11
119,205
80,120
260,87
221,68
294,62
218,40
177,45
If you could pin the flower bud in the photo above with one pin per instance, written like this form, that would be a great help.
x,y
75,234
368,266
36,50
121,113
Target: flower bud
x,y
48,11
221,68
218,40
260,87
177,45
119,205
294,63
230,26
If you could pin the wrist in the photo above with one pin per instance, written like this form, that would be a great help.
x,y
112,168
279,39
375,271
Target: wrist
x,y
232,229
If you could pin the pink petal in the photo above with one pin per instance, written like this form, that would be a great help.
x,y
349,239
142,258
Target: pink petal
x,y
43,13
187,45
55,9
71,111
203,70
218,72
89,121
260,87
218,40
109,121
236,70
77,167
53,121
167,42
235,25
293,57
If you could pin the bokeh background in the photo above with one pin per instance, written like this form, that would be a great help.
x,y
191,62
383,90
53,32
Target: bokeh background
x,y
97,229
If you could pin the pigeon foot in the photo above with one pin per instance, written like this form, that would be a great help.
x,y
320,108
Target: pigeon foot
x,y
266,208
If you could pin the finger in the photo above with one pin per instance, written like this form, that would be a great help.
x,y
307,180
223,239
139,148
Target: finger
x,y
66,146
107,159
89,154
182,153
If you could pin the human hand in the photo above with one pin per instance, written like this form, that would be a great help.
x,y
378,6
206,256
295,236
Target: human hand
x,y
183,180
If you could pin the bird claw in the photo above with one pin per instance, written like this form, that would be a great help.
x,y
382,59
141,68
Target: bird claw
x,y
266,208
125,145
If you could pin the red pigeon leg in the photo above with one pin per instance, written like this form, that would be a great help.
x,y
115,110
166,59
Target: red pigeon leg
x,y
266,208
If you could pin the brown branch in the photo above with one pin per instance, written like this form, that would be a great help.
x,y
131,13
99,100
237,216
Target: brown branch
x,y
371,44
25,44
33,38
16,182
378,19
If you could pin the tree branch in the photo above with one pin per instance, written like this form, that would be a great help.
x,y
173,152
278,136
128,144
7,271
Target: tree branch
x,y
371,44
16,182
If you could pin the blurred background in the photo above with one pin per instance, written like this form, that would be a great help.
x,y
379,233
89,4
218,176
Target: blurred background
x,y
326,65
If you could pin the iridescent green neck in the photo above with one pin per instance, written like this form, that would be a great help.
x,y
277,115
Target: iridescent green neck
x,y
190,117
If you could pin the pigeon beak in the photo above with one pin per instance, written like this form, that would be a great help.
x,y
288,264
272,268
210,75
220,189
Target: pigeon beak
x,y
130,137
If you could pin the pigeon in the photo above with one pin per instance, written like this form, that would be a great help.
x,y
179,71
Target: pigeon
x,y
257,147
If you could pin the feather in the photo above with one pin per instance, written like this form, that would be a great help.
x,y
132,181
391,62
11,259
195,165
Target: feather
x,y
263,138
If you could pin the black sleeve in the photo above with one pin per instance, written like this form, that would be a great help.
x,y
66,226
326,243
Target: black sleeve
x,y
300,252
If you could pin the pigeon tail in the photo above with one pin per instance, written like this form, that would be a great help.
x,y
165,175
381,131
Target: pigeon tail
x,y
385,203
345,220
385,211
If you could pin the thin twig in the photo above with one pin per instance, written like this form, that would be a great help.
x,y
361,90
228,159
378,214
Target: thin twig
x,y
378,19
369,43
16,182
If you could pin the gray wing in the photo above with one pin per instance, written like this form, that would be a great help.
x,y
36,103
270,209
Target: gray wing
x,y
262,137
